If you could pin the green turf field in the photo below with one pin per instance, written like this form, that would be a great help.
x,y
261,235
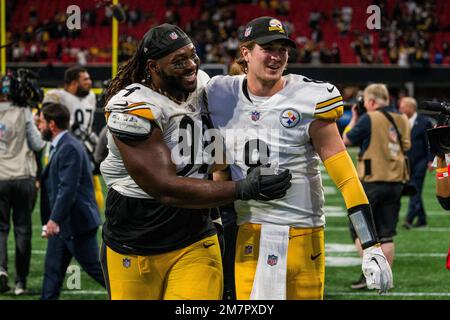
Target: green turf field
x,y
419,268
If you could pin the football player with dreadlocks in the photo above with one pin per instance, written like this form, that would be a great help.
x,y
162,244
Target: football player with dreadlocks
x,y
159,240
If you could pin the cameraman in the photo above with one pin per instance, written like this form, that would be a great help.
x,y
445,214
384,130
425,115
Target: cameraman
x,y
19,137
383,136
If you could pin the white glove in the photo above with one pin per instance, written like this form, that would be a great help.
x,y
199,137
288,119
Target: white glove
x,y
376,269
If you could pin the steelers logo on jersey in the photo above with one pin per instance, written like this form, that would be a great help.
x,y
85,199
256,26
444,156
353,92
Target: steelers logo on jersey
x,y
289,118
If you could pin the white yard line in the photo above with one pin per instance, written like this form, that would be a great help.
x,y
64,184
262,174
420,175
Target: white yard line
x,y
368,294
84,292
395,294
397,255
425,229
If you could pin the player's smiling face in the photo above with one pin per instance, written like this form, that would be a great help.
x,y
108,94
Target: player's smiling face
x,y
179,69
267,62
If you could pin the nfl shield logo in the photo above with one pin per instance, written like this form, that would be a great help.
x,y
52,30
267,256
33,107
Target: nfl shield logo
x,y
190,107
255,115
272,260
126,262
173,36
247,32
248,249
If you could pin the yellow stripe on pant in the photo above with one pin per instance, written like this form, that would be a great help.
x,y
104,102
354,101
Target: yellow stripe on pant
x,y
191,273
99,198
305,262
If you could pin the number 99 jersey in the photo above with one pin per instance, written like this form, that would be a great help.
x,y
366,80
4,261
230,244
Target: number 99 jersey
x,y
81,110
134,110
275,131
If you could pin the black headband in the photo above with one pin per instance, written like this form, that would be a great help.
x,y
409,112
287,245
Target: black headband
x,y
162,40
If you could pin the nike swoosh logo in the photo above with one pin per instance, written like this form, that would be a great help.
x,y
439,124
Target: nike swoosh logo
x,y
208,244
121,104
316,256
373,259
330,89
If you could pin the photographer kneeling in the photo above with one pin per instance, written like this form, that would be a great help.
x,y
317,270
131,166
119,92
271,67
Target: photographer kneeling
x,y
19,137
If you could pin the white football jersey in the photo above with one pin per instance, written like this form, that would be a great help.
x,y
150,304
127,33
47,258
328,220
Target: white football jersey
x,y
145,105
81,110
276,132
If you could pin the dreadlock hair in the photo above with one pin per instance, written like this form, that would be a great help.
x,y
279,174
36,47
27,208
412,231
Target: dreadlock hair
x,y
132,71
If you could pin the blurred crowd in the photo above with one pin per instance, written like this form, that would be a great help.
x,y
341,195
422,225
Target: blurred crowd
x,y
406,37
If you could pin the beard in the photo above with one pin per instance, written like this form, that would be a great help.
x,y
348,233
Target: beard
x,y
176,83
46,135
82,92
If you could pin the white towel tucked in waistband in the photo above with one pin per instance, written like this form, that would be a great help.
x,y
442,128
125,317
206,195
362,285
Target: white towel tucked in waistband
x,y
270,277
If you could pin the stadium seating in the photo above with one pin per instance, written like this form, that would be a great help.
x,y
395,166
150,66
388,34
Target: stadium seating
x,y
99,36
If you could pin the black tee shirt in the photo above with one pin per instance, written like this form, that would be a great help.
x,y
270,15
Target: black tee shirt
x,y
145,226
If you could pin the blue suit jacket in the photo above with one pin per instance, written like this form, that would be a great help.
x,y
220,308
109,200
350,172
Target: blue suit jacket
x,y
67,195
419,154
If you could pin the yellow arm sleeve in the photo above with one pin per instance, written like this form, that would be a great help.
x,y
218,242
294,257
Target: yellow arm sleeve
x,y
343,173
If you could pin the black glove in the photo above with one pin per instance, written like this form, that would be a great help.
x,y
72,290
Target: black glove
x,y
263,187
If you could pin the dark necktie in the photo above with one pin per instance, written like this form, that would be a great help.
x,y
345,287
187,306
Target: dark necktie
x,y
52,151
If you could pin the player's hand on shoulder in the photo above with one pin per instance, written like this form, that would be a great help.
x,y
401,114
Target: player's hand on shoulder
x,y
376,269
263,184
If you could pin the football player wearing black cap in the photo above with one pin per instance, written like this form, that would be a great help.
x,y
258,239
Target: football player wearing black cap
x,y
159,240
291,120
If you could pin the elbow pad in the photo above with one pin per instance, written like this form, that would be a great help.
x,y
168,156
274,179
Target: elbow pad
x,y
126,126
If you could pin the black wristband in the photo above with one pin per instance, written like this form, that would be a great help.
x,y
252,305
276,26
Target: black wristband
x,y
243,190
362,220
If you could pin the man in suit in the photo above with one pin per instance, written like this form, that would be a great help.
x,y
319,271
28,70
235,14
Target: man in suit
x,y
420,159
68,208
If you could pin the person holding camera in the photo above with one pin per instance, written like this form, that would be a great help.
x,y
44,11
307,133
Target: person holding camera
x,y
19,137
420,159
383,136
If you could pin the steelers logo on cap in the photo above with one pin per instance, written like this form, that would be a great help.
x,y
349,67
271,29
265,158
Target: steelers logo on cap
x,y
289,118
276,25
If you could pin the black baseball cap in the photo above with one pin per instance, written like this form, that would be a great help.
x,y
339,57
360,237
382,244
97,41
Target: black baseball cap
x,y
263,30
162,40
